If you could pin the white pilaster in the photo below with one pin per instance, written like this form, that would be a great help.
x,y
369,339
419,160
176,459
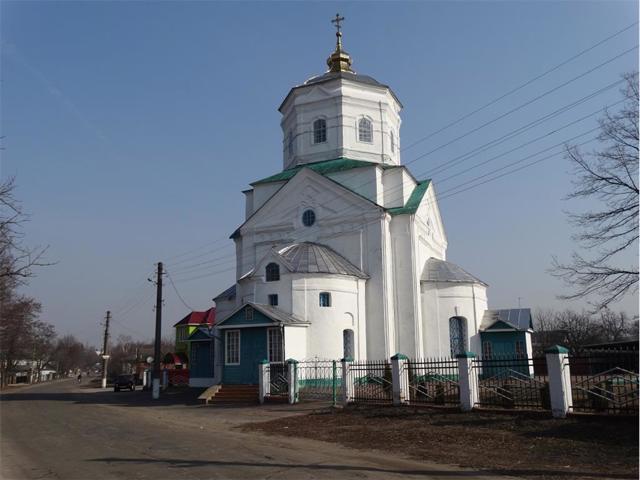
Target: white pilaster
x,y
468,381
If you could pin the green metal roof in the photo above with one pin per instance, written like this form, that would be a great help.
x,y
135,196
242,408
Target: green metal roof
x,y
323,168
414,199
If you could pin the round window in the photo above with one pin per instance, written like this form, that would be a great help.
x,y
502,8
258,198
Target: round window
x,y
308,218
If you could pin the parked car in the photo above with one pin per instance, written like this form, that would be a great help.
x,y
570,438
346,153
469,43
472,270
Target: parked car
x,y
124,381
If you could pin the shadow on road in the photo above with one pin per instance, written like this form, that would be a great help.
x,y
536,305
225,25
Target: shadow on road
x,y
123,399
184,463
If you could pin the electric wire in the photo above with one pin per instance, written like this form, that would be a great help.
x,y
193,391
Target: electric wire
x,y
455,122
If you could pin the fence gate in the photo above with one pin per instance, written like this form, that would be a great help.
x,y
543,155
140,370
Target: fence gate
x,y
278,379
433,381
320,380
512,382
372,382
605,382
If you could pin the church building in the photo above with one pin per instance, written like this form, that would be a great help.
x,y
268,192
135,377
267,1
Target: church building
x,y
343,252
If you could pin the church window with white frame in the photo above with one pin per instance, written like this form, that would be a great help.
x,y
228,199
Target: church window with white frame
x,y
393,141
320,131
365,130
290,146
232,347
274,344
325,299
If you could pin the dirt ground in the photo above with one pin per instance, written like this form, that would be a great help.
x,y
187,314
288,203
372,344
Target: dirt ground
x,y
524,444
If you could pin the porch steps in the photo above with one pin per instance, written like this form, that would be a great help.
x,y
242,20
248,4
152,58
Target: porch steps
x,y
234,394
209,393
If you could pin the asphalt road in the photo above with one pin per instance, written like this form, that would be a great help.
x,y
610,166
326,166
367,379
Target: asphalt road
x,y
69,431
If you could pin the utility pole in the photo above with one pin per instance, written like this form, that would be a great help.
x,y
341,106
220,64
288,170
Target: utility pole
x,y
156,351
105,356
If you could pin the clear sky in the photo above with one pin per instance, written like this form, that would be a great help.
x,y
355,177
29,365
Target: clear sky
x,y
132,128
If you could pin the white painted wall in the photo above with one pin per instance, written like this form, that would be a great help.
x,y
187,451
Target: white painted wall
x,y
440,302
295,343
341,103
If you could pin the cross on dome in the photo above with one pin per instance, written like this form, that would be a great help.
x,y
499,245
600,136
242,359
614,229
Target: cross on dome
x,y
339,61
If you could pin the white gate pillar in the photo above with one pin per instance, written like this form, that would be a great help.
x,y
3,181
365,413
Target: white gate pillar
x,y
400,378
467,381
292,380
264,380
347,381
559,380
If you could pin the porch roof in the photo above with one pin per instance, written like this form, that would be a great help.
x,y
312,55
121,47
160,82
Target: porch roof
x,y
517,318
274,314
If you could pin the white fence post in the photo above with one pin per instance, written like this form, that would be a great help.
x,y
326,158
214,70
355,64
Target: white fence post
x,y
468,381
347,381
400,378
559,380
292,380
165,379
264,380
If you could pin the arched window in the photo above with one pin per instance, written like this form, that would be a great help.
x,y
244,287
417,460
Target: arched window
x,y
290,143
365,130
393,141
347,344
325,299
272,272
457,335
320,131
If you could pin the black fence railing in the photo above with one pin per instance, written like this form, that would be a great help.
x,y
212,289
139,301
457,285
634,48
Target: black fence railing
x,y
320,380
604,382
433,381
278,379
512,382
372,382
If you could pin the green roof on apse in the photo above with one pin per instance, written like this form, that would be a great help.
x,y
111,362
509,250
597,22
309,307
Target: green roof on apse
x,y
323,168
414,199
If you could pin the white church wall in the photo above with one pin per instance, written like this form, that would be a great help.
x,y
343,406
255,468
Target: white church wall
x,y
325,334
295,342
248,203
364,181
406,287
398,185
263,192
441,301
342,103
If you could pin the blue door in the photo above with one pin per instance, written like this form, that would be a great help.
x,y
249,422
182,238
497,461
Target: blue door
x,y
201,362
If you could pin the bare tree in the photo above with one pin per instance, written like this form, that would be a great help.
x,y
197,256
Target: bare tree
x,y
608,175
17,260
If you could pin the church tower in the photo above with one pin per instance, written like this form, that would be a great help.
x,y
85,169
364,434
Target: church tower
x,y
340,114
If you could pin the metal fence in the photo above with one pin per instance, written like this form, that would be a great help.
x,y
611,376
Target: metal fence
x,y
278,379
320,380
512,382
604,382
433,381
372,382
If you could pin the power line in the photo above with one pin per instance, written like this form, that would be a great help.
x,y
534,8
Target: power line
x,y
176,290
520,87
510,92
521,106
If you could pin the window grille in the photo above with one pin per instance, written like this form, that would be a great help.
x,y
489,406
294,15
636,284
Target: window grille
x,y
308,218
457,335
320,131
365,130
274,343
325,299
273,300
272,272
248,313
486,349
232,347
